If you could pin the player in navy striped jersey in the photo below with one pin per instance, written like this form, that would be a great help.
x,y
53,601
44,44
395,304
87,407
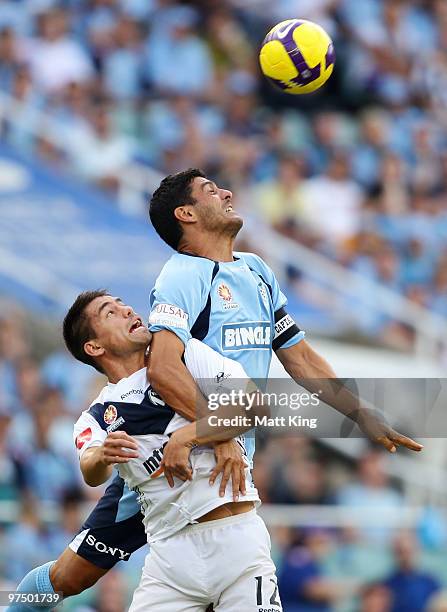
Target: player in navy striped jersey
x,y
114,529
188,523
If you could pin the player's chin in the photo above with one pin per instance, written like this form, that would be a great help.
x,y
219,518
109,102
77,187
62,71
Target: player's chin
x,y
141,336
234,221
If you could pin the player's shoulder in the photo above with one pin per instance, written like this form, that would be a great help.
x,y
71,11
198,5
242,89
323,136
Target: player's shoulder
x,y
101,398
253,261
130,388
180,265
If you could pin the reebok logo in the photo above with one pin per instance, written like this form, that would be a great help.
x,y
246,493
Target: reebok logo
x,y
132,392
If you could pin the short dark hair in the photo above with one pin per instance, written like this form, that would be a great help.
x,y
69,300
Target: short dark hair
x,y
77,328
174,191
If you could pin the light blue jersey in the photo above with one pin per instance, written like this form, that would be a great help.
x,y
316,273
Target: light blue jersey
x,y
235,307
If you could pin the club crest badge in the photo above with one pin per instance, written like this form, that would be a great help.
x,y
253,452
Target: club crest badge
x,y
226,297
110,414
224,293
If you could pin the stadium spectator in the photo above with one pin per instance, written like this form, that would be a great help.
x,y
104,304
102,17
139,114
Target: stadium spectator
x,y
177,60
13,349
112,595
375,598
335,197
100,154
70,520
302,583
56,59
371,490
411,587
371,147
299,482
321,11
26,542
22,133
8,57
47,471
439,296
227,41
178,132
280,201
9,475
122,65
438,603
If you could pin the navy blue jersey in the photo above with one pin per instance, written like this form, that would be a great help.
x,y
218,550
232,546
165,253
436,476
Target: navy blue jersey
x,y
131,405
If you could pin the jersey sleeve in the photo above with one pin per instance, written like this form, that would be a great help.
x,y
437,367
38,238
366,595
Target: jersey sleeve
x,y
180,295
287,333
87,433
213,372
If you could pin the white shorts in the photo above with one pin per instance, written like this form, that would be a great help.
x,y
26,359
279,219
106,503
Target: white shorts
x,y
225,563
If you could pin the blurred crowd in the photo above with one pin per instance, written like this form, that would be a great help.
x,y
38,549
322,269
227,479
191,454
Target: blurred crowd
x,y
43,500
98,85
173,85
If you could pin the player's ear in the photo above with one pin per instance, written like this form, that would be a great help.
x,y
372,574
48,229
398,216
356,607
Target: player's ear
x,y
185,213
93,348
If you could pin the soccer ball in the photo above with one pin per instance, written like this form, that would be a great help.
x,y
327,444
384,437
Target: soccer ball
x,y
297,56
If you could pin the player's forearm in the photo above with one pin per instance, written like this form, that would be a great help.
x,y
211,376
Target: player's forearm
x,y
302,362
223,424
313,372
95,470
175,385
203,433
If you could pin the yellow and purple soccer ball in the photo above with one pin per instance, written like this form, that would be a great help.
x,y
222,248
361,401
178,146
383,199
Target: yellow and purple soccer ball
x,y
297,56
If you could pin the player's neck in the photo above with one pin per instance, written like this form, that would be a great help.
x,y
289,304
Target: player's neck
x,y
123,367
216,248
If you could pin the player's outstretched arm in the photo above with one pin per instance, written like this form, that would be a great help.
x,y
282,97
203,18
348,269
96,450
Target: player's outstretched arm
x,y
311,370
97,461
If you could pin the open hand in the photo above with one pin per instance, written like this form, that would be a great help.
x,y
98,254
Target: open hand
x,y
381,433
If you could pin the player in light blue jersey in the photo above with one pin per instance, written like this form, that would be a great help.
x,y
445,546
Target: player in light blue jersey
x,y
231,301
230,305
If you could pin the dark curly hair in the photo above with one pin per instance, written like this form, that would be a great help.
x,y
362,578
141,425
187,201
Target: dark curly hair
x,y
77,328
174,191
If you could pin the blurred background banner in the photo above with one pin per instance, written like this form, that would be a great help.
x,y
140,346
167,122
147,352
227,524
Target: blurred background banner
x,y
344,193
58,237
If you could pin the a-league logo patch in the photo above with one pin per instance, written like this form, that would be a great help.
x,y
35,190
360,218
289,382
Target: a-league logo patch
x,y
224,292
110,414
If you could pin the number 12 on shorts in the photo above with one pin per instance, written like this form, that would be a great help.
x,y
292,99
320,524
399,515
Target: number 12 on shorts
x,y
274,601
